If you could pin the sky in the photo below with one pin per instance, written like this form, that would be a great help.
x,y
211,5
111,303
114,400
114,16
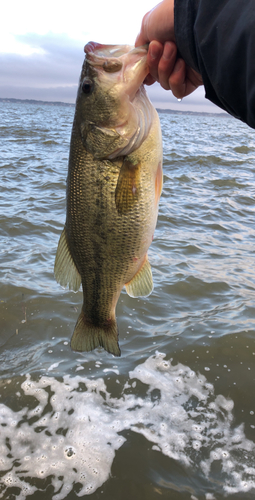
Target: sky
x,y
41,47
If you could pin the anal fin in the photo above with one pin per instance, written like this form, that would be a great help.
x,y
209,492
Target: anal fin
x,y
141,284
65,270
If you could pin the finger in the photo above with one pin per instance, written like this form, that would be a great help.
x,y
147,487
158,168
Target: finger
x,y
190,87
177,80
167,64
183,80
149,80
155,52
193,80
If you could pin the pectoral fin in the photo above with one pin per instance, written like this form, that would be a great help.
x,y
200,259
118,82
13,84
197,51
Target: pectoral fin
x,y
141,284
65,269
127,190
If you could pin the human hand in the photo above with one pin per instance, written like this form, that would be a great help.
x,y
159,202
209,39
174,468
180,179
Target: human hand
x,y
171,72
158,24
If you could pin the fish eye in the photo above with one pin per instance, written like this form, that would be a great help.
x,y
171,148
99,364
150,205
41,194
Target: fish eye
x,y
87,86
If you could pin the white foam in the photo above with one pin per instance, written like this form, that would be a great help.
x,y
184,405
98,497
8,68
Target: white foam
x,y
55,365
72,433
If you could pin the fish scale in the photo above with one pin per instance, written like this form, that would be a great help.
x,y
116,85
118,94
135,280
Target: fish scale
x,y
113,189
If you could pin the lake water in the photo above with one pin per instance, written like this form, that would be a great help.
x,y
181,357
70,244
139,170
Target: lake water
x,y
174,417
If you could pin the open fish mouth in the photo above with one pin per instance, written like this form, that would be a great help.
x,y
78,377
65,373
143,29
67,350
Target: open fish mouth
x,y
113,51
130,63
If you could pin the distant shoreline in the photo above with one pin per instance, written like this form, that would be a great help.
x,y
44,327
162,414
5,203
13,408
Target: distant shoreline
x,y
202,113
34,101
72,105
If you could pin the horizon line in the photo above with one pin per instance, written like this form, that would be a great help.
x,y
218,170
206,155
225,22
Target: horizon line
x,y
70,104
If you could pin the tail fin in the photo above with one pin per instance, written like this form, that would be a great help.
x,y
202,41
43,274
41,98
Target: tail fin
x,y
87,337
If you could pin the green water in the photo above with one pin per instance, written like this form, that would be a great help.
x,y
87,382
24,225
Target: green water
x,y
174,417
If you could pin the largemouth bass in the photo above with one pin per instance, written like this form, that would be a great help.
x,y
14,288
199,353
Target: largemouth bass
x,y
113,189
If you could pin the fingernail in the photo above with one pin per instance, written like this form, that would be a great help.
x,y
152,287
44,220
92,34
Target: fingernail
x,y
153,52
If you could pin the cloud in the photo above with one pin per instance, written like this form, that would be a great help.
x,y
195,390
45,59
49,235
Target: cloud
x,y
62,94
55,70
52,72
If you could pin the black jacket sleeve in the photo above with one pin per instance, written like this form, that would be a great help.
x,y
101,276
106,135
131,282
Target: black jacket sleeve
x,y
217,39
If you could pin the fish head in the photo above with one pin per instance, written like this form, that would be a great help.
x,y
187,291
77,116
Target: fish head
x,y
113,111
